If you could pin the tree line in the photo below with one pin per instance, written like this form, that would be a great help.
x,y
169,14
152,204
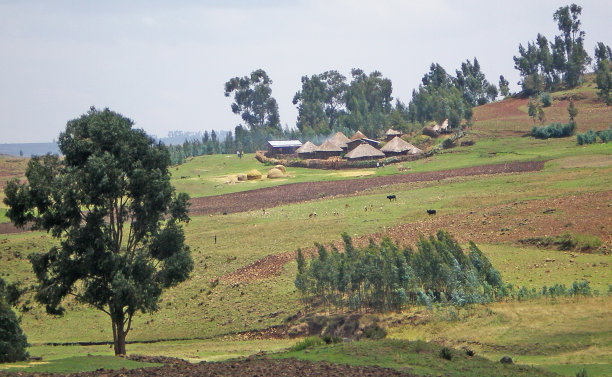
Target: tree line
x,y
329,102
386,277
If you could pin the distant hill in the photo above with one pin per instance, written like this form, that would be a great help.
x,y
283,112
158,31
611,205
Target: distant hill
x,y
29,149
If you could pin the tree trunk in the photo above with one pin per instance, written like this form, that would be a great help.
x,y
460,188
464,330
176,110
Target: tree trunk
x,y
119,334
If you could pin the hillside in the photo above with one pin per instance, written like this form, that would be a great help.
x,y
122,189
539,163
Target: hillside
x,y
242,289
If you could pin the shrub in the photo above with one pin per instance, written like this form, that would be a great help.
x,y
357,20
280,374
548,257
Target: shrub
x,y
554,130
605,135
546,99
310,342
13,341
588,137
582,373
374,332
446,353
328,339
469,352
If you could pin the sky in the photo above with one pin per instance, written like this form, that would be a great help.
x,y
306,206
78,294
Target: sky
x,y
164,63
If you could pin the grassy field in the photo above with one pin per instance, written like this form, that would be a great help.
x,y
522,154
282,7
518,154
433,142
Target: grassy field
x,y
196,317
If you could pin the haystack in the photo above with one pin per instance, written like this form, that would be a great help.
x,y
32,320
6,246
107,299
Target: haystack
x,y
253,175
275,173
241,177
281,168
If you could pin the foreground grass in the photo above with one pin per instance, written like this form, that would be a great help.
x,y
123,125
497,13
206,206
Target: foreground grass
x,y
417,357
552,333
75,364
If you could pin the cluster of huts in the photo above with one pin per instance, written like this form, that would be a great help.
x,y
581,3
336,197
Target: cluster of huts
x,y
357,147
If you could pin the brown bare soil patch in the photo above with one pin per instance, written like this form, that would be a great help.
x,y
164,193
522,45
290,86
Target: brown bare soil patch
x,y
585,214
246,367
301,192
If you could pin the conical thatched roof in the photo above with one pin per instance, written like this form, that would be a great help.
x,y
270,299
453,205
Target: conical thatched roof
x,y
364,151
391,132
340,140
398,145
329,146
307,147
358,135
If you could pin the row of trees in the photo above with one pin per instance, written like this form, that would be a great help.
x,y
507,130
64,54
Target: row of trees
x,y
329,102
385,277
442,96
549,65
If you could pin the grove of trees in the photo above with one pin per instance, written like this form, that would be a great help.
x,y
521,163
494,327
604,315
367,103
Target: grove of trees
x,y
386,277
117,218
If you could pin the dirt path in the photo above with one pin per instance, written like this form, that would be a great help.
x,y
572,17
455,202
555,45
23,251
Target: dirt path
x,y
586,214
246,367
301,192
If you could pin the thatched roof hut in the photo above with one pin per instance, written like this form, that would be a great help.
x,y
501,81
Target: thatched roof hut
x,y
397,146
364,152
355,143
357,135
328,149
307,150
391,133
340,140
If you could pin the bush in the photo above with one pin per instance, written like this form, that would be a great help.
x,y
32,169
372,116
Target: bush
x,y
582,373
546,99
13,341
310,342
588,137
446,353
554,130
605,135
374,332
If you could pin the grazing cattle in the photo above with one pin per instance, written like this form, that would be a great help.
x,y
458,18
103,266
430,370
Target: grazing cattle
x,y
431,211
391,197
313,214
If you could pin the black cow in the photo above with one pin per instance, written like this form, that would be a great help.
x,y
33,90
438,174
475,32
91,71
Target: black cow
x,y
431,211
391,197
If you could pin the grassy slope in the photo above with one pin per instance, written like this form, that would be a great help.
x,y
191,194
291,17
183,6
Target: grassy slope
x,y
197,310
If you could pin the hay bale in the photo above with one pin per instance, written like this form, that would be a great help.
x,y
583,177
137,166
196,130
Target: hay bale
x,y
275,173
241,177
281,168
253,175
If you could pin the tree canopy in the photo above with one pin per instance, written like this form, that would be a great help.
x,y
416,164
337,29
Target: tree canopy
x,y
13,341
545,65
110,203
253,101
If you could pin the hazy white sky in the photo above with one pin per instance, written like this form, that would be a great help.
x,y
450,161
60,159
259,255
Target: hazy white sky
x,y
164,63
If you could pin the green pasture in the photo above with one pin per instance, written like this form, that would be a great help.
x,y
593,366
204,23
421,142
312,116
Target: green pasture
x,y
198,308
75,364
199,319
412,356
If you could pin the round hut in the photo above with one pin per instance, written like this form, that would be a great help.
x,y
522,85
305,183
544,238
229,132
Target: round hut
x,y
364,152
398,147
